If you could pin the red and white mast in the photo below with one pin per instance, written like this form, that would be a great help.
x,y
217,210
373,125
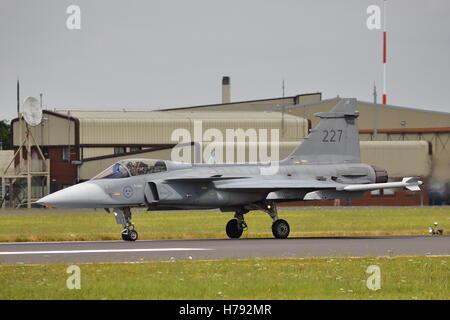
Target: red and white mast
x,y
384,53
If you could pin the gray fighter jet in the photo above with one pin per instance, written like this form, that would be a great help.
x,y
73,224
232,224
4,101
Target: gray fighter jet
x,y
326,165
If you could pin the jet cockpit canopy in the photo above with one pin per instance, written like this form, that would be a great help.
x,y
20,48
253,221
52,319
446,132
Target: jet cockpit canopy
x,y
131,168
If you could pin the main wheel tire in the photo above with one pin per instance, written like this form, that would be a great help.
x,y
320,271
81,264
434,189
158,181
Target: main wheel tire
x,y
280,229
132,235
129,235
234,229
125,236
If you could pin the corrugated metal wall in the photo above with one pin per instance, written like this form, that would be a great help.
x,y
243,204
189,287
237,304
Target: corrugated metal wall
x,y
440,142
157,130
389,117
6,157
96,152
53,131
400,159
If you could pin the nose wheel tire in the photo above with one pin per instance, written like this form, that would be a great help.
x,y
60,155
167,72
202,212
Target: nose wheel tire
x,y
129,235
280,229
234,229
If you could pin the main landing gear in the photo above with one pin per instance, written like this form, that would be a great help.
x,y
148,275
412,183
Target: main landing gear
x,y
235,227
280,228
123,217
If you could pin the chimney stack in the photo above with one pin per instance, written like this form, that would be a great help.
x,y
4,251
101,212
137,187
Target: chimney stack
x,y
226,96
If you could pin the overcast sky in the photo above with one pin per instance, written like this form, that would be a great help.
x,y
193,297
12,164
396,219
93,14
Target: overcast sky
x,y
167,53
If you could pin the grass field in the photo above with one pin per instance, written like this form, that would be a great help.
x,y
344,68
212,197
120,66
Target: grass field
x,y
297,278
99,225
311,278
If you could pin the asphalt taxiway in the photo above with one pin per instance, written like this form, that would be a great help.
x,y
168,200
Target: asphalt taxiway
x,y
166,250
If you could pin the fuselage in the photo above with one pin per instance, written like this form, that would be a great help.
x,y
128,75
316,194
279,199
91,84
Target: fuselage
x,y
177,186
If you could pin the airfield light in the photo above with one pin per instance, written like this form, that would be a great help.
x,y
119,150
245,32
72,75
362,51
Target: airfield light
x,y
435,231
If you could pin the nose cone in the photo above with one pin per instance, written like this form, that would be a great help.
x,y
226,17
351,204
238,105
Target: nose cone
x,y
83,195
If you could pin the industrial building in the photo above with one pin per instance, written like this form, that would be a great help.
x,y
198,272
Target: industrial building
x,y
405,141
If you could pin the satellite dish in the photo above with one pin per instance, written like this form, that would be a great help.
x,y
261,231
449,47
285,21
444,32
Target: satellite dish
x,y
32,112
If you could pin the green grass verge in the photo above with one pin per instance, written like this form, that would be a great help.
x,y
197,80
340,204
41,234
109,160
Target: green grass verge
x,y
100,225
308,278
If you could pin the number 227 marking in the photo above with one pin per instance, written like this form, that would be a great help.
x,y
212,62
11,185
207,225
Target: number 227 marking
x,y
332,135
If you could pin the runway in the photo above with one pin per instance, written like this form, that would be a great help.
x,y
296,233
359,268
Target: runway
x,y
166,250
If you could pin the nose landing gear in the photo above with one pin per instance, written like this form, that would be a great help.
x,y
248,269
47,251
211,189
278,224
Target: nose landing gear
x,y
123,217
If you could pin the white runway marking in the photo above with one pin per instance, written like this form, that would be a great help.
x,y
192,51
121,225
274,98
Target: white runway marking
x,y
102,251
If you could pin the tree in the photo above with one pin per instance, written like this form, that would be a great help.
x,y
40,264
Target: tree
x,y
5,135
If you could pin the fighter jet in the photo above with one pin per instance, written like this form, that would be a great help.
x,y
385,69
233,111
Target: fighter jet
x,y
326,165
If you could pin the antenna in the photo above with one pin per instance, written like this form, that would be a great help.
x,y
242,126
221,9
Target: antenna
x,y
20,125
374,93
282,109
20,183
32,111
18,97
375,113
384,51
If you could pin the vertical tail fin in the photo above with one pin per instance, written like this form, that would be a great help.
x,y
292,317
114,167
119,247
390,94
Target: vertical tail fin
x,y
334,140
